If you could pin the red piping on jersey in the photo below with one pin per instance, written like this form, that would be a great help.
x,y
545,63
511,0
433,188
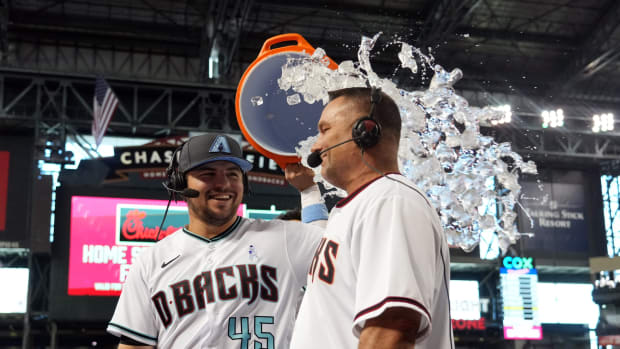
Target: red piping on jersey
x,y
393,299
346,200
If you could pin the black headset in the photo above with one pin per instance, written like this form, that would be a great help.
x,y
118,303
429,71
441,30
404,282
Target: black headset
x,y
175,180
366,130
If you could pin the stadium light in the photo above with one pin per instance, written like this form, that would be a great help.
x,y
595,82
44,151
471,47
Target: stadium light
x,y
507,114
552,118
602,122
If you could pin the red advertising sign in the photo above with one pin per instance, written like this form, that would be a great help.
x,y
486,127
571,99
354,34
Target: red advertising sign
x,y
4,187
462,325
609,340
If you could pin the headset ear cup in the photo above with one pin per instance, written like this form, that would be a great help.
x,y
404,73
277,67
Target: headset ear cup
x,y
179,180
366,132
174,179
169,173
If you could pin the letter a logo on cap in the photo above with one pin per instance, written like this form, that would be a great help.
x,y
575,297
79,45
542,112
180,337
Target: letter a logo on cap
x,y
219,145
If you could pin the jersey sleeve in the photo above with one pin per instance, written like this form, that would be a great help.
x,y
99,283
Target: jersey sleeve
x,y
301,243
313,206
394,253
134,316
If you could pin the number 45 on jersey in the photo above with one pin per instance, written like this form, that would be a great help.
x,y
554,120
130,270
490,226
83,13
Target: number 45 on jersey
x,y
245,335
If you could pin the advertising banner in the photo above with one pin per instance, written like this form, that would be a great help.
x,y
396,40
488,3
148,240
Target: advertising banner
x,y
151,160
555,212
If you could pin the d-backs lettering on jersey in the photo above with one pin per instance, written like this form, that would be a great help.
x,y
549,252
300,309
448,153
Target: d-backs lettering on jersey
x,y
251,282
236,290
324,260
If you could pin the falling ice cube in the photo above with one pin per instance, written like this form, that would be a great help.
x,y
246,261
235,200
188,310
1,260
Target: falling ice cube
x,y
293,99
256,101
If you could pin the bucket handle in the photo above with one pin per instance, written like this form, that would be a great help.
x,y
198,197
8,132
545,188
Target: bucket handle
x,y
301,42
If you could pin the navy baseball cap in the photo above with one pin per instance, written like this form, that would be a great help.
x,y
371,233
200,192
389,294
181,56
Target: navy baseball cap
x,y
207,148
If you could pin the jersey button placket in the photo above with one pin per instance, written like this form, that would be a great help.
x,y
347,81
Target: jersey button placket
x,y
211,250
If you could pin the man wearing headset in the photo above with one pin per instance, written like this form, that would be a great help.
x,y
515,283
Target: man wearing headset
x,y
222,281
379,278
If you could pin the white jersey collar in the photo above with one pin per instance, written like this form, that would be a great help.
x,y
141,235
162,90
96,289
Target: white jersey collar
x,y
220,236
350,197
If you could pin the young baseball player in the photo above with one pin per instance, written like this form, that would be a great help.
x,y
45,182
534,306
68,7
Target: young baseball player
x,y
223,281
379,278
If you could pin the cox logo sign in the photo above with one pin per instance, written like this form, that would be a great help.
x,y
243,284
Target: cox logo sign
x,y
518,262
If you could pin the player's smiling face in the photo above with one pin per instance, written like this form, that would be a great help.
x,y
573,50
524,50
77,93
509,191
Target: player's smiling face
x,y
334,127
220,184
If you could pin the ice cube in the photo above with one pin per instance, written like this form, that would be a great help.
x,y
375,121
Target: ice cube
x,y
293,99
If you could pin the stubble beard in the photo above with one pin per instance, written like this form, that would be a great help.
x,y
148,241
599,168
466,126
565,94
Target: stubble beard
x,y
210,217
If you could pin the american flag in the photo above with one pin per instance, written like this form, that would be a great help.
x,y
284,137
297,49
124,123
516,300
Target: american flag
x,y
104,105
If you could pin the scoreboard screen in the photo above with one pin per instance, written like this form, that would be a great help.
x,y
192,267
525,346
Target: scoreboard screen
x,y
519,290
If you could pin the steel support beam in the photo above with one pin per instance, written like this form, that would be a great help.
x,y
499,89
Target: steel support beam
x,y
599,49
443,18
559,146
221,30
110,62
38,296
232,46
212,19
62,104
145,109
4,31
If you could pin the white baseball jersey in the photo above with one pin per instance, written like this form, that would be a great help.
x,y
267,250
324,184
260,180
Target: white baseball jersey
x,y
381,249
237,290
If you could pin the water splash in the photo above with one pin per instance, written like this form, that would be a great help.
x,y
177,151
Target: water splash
x,y
441,148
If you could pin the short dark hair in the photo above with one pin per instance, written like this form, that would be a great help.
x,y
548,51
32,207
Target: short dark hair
x,y
290,215
386,111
